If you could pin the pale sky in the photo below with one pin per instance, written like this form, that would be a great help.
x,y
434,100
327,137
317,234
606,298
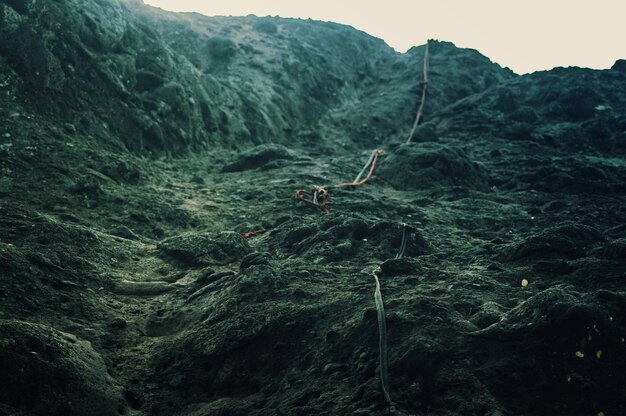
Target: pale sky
x,y
525,35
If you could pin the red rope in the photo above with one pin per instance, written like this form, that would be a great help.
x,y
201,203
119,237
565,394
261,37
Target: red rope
x,y
319,194
369,174
254,233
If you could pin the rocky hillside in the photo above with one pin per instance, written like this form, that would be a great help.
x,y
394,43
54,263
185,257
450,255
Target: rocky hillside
x,y
170,82
139,147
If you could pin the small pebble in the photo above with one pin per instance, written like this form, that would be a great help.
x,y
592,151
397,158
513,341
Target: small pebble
x,y
332,368
118,323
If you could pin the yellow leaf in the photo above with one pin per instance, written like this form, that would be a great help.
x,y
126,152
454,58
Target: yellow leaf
x,y
524,282
599,354
580,354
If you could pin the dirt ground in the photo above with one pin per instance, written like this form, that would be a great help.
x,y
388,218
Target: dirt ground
x,y
128,286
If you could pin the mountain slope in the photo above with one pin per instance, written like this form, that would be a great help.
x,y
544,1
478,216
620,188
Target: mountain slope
x,y
138,147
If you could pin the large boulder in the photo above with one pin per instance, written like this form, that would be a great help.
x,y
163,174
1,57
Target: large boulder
x,y
201,249
568,240
48,372
263,156
426,166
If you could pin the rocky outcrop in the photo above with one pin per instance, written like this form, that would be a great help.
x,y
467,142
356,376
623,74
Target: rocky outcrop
x,y
51,372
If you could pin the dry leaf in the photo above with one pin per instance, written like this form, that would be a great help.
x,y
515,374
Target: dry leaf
x,y
524,282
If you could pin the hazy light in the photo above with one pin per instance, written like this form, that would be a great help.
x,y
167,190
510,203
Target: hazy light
x,y
526,36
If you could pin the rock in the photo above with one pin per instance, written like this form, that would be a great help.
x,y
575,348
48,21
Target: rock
x,y
258,281
333,368
253,259
426,132
123,172
118,323
403,266
427,166
70,128
124,232
525,114
205,276
205,249
210,276
88,186
619,65
616,249
573,177
557,205
207,283
127,287
163,322
574,326
260,156
21,7
552,308
197,179
146,80
557,267
47,373
267,27
567,240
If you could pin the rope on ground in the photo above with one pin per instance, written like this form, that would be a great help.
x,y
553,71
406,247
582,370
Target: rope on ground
x,y
403,244
320,197
382,340
424,88
371,162
254,233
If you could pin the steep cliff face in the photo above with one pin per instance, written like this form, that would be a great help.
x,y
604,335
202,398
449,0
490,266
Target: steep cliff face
x,y
154,260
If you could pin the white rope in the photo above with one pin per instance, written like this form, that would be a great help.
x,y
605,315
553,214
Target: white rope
x,y
405,238
362,172
382,340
